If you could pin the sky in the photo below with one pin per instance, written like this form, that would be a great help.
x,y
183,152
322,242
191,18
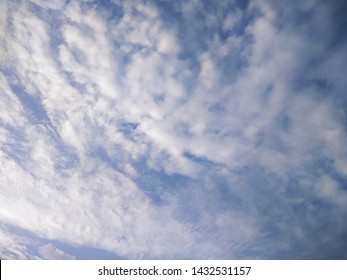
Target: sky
x,y
173,129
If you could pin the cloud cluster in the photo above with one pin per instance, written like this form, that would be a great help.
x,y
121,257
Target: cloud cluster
x,y
176,130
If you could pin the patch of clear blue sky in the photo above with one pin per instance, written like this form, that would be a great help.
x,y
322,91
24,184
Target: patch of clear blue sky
x,y
85,252
32,104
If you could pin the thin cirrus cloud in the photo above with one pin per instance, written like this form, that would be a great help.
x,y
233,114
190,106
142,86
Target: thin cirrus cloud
x,y
192,130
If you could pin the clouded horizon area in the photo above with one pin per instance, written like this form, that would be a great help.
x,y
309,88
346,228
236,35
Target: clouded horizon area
x,y
173,129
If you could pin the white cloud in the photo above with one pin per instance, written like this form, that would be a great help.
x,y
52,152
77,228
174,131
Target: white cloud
x,y
329,189
231,20
12,247
49,252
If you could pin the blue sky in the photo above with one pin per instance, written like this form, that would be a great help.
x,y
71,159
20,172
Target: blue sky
x,y
173,129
